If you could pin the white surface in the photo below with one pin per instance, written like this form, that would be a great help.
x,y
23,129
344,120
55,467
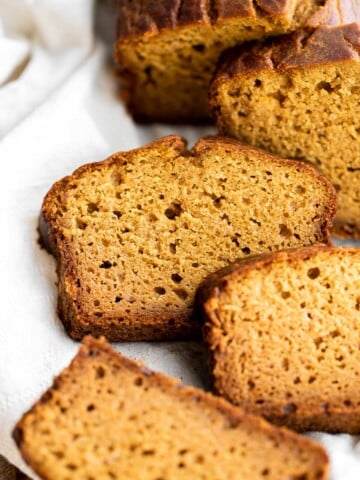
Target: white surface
x,y
81,122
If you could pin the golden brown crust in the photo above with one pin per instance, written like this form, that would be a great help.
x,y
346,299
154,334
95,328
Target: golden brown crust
x,y
302,49
323,417
150,325
150,17
235,417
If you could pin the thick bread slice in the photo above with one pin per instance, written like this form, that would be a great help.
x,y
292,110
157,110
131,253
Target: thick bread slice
x,y
283,331
136,234
167,50
107,416
298,97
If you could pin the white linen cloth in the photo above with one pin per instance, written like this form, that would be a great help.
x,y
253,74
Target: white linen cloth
x,y
59,109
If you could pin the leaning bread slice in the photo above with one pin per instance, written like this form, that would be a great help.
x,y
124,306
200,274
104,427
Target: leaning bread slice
x,y
109,417
136,234
298,97
283,331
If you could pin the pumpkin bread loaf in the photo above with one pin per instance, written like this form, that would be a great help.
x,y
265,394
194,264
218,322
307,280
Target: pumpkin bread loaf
x,y
136,234
107,416
298,97
167,50
283,332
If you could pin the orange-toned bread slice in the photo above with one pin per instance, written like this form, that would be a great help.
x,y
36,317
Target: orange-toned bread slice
x,y
298,96
283,332
107,416
136,234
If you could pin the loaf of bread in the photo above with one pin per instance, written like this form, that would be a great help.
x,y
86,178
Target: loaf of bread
x,y
108,417
298,97
136,234
167,50
283,332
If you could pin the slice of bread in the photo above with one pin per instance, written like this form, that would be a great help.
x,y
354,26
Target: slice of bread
x,y
108,417
136,234
167,50
283,331
298,97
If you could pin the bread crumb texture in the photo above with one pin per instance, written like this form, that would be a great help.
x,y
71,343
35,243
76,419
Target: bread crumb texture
x,y
107,417
190,35
298,97
283,334
136,234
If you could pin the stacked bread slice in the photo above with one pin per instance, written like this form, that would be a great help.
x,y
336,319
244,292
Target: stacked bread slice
x,y
136,234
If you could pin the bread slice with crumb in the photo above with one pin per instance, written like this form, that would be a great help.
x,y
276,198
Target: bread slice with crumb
x,y
109,417
283,332
190,35
136,234
295,96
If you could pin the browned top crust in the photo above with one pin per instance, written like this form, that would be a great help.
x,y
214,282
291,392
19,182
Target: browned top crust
x,y
135,18
302,48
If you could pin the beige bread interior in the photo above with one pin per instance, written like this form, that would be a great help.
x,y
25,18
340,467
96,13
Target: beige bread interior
x,y
284,336
108,418
166,73
135,235
309,114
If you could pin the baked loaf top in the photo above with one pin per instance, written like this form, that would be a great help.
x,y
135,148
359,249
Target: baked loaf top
x,y
149,17
303,48
136,234
292,316
109,417
191,35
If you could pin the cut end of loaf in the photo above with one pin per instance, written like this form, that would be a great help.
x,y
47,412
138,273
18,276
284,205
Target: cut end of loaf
x,y
191,38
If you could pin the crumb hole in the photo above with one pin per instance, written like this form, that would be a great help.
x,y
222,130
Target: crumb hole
x,y
106,264
173,211
285,295
160,290
199,47
325,86
176,278
181,293
289,408
285,231
100,372
80,224
313,273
